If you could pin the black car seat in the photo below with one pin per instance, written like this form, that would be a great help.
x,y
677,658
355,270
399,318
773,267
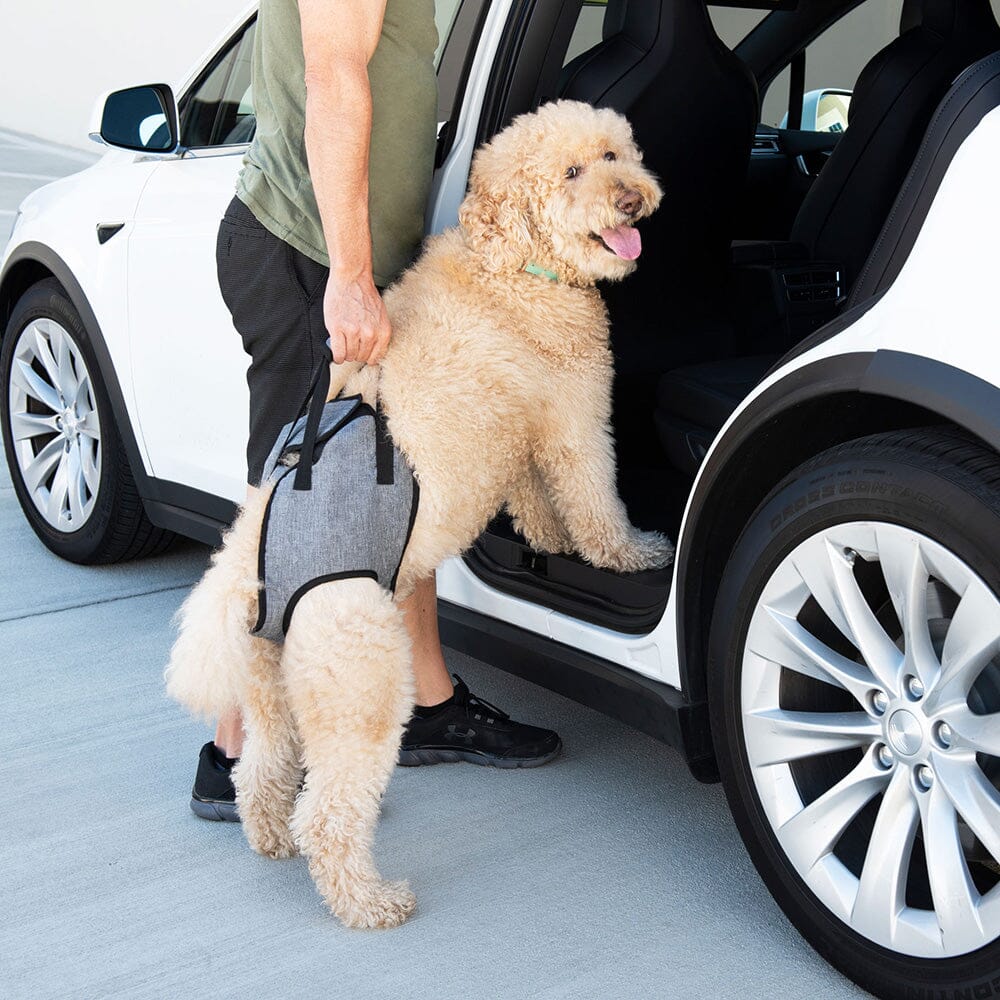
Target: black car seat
x,y
841,217
693,106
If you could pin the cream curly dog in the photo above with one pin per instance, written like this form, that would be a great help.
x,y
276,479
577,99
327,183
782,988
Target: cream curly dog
x,y
497,389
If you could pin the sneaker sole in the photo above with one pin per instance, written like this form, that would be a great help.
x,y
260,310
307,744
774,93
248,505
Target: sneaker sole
x,y
219,812
438,755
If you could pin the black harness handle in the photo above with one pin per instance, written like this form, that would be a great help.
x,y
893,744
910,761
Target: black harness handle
x,y
318,393
314,404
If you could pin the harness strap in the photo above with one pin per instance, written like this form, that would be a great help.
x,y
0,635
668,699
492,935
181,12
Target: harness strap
x,y
320,388
384,474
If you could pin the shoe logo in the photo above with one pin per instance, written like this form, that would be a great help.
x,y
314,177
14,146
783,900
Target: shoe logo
x,y
457,735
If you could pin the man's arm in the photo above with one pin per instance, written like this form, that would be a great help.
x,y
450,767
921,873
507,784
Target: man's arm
x,y
338,39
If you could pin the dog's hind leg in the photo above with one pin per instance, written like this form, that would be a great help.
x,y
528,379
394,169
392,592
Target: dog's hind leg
x,y
269,772
349,681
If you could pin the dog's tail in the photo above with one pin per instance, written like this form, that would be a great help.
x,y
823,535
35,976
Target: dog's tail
x,y
210,662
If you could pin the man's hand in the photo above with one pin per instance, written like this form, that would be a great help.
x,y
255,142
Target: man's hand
x,y
356,320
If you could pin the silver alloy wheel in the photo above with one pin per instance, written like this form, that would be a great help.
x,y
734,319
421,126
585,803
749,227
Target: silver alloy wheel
x,y
55,426
894,785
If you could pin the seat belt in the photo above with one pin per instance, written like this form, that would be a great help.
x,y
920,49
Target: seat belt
x,y
796,89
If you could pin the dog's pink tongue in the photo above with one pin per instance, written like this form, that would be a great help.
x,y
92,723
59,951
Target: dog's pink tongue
x,y
624,240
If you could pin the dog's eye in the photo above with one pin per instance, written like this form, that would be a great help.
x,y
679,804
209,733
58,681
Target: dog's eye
x,y
610,156
572,172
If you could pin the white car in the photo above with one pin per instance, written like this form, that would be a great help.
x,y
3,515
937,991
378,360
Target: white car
x,y
808,400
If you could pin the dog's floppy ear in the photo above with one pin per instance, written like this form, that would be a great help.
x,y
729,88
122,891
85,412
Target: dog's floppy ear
x,y
495,213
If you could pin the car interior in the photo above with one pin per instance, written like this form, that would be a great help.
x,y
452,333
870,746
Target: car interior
x,y
760,240
768,218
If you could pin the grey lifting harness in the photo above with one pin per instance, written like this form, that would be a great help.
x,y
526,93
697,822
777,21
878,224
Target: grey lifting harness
x,y
345,509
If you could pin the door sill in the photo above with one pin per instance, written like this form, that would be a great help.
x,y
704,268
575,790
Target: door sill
x,y
631,603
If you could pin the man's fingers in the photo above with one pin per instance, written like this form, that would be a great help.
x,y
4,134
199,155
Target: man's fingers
x,y
338,347
382,345
351,339
364,349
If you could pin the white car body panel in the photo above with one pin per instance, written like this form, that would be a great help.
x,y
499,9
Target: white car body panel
x,y
188,364
61,216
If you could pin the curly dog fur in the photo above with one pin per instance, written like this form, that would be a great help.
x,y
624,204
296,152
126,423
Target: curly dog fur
x,y
497,388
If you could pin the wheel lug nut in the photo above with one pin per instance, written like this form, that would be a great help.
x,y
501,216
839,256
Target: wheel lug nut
x,y
925,777
943,735
879,702
914,688
885,756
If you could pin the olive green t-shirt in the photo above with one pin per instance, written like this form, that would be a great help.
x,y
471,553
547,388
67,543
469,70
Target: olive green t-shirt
x,y
275,183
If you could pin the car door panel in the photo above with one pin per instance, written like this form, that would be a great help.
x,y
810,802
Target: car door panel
x,y
187,360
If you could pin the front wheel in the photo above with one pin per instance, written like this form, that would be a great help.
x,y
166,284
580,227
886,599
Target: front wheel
x,y
854,685
65,454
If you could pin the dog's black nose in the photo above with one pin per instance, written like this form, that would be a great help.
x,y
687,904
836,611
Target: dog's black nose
x,y
629,202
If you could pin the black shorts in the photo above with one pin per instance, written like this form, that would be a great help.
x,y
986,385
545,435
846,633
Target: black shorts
x,y
275,294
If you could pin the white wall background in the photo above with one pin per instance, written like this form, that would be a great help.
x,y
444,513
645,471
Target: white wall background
x,y
56,56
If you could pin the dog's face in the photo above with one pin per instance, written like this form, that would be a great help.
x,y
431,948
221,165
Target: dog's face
x,y
563,187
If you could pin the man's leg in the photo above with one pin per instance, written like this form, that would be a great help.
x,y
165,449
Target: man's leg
x,y
450,723
229,733
430,674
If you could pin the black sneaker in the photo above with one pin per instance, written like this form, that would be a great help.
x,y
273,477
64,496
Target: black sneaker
x,y
213,795
468,728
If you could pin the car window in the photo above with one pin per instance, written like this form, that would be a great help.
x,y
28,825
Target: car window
x,y
733,25
459,24
218,110
834,61
589,29
445,12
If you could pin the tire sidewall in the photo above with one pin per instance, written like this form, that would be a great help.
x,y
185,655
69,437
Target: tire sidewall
x,y
943,504
48,301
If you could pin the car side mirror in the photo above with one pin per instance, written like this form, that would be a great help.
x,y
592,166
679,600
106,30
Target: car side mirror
x,y
831,111
141,118
826,110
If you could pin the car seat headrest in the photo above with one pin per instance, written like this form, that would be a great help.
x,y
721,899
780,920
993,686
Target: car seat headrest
x,y
944,17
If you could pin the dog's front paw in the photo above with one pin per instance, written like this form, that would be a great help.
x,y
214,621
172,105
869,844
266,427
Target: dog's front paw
x,y
375,904
643,550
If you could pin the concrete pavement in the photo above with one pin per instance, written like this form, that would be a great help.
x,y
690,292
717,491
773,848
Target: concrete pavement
x,y
608,874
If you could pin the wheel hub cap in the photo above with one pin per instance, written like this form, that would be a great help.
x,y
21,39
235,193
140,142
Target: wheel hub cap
x,y
904,733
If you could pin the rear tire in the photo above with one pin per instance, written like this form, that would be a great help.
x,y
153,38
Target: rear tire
x,y
836,655
66,457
